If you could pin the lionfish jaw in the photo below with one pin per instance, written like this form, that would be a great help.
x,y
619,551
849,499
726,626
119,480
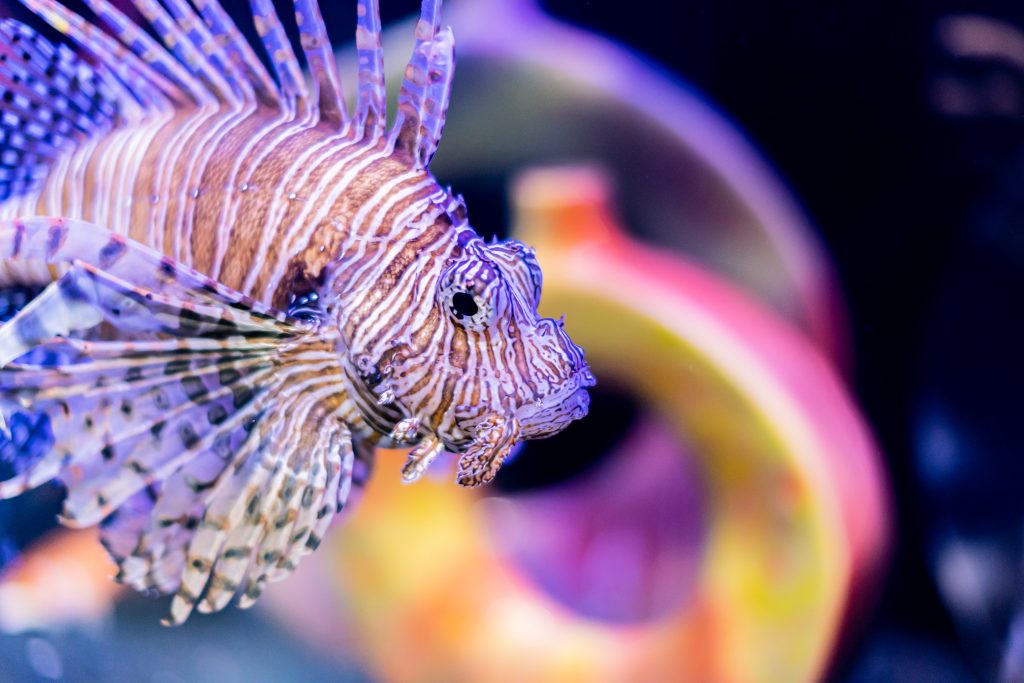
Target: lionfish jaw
x,y
554,412
495,434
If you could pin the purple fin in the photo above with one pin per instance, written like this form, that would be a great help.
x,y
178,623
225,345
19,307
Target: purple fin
x,y
225,414
282,58
147,50
49,98
141,80
65,241
371,101
185,48
426,88
321,62
216,60
237,49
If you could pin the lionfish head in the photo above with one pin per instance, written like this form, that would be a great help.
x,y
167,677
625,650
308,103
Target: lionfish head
x,y
507,374
490,295
467,364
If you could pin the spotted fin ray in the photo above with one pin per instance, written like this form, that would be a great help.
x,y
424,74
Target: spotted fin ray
x,y
426,88
226,415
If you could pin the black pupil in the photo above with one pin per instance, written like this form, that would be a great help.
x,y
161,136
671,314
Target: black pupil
x,y
463,304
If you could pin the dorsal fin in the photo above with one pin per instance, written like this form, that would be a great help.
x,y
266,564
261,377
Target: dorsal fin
x,y
138,79
426,88
149,51
240,89
238,50
282,58
191,54
371,103
198,56
50,98
185,48
323,66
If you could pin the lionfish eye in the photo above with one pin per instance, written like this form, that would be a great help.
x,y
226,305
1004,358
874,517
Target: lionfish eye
x,y
463,304
472,311
472,291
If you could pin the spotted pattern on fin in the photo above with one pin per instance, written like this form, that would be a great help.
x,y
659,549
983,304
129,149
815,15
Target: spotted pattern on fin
x,y
209,442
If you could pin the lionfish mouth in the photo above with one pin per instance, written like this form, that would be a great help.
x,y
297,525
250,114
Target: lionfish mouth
x,y
554,412
497,433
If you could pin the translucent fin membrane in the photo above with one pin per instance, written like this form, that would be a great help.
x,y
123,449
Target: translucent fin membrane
x,y
423,99
371,102
199,58
210,429
321,62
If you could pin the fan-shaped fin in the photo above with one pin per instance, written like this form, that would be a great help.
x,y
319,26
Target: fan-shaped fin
x,y
206,446
61,241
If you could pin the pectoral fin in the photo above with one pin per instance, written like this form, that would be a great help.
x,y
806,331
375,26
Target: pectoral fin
x,y
495,437
206,431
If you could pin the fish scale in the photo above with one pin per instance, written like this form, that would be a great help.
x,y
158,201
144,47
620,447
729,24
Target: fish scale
x,y
254,287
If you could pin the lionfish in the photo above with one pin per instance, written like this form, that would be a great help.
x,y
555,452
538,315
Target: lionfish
x,y
251,286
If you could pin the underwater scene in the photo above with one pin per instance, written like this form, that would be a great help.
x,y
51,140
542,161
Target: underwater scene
x,y
388,341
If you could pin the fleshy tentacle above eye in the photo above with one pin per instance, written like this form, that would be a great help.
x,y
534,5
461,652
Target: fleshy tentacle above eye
x,y
520,265
216,441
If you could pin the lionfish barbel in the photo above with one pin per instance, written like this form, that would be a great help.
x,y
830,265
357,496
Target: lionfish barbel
x,y
251,286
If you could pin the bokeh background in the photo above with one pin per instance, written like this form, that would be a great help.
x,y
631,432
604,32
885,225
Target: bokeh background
x,y
851,170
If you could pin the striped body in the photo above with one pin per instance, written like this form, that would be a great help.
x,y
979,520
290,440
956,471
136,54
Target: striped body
x,y
255,286
266,191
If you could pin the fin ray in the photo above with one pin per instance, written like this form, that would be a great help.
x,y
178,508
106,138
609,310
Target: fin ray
x,y
320,61
285,65
51,99
426,88
371,100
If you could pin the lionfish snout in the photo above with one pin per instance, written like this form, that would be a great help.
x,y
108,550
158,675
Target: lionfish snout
x,y
542,414
530,380
566,399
